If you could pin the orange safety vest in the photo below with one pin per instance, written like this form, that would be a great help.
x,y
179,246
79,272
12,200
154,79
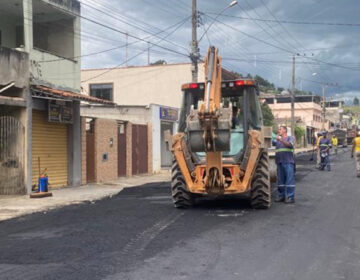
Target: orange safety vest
x,y
357,144
318,140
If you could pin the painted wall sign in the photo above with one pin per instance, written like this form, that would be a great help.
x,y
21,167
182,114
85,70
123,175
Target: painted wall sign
x,y
60,111
169,114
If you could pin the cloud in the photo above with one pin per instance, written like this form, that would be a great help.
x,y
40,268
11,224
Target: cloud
x,y
333,44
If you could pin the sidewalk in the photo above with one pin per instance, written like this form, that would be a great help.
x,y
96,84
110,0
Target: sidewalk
x,y
15,206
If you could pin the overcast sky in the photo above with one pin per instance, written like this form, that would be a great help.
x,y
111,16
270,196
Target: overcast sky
x,y
247,45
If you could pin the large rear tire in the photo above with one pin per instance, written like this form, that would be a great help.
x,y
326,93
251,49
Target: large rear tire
x,y
182,198
261,187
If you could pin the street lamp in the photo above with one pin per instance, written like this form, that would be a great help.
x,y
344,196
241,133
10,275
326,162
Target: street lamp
x,y
232,4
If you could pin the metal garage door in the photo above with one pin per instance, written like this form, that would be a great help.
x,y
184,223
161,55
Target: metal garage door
x,y
50,146
139,149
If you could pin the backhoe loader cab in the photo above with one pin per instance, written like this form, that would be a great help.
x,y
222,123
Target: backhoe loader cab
x,y
241,96
219,149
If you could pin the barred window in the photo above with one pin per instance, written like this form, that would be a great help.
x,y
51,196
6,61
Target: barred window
x,y
103,91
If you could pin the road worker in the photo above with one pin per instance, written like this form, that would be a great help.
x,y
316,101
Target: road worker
x,y
317,146
284,158
325,145
356,149
235,122
334,143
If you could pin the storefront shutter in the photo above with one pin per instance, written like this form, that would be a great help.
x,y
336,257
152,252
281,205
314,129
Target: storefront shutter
x,y
50,144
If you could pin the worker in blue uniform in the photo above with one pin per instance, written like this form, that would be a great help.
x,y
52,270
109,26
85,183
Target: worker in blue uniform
x,y
285,161
325,146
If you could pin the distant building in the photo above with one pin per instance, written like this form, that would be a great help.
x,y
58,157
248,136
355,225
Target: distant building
x,y
334,112
308,111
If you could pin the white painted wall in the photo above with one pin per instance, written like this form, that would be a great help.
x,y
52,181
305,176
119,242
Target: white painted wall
x,y
62,73
156,130
137,115
143,85
49,68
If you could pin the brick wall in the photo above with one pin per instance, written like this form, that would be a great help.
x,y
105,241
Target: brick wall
x,y
106,170
83,151
128,149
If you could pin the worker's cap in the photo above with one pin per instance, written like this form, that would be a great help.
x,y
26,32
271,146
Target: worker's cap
x,y
319,133
324,132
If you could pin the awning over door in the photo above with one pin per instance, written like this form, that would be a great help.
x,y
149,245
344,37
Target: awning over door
x,y
38,91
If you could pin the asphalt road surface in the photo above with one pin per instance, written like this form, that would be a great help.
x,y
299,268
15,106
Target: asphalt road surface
x,y
138,234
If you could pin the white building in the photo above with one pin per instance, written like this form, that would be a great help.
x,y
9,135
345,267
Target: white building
x,y
143,94
40,93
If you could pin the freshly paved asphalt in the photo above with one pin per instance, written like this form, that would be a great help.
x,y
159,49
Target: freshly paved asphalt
x,y
139,235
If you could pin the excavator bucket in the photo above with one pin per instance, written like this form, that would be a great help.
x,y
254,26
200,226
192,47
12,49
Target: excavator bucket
x,y
219,126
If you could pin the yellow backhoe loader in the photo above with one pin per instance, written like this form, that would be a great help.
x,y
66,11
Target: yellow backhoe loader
x,y
219,148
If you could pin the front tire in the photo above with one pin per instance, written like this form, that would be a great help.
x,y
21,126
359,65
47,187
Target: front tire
x,y
261,187
181,197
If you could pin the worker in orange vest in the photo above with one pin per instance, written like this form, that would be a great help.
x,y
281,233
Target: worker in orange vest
x,y
356,149
317,146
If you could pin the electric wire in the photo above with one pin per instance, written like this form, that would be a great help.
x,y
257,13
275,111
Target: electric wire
x,y
107,71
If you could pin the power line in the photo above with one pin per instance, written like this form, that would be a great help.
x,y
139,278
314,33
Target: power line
x,y
252,37
289,21
281,61
124,62
285,29
130,24
272,29
119,31
117,47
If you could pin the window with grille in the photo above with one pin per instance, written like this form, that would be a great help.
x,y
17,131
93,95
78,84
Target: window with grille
x,y
103,91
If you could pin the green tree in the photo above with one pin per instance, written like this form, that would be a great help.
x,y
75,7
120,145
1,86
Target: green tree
x,y
299,132
356,101
239,75
159,62
267,114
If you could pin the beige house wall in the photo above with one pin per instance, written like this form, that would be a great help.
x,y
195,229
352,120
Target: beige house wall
x,y
308,112
144,85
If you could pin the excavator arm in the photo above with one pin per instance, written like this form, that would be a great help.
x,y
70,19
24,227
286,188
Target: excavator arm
x,y
208,130
209,126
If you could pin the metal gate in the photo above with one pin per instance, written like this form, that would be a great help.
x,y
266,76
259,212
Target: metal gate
x,y
139,149
121,150
90,156
12,143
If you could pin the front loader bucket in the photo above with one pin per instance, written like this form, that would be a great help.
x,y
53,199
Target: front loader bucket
x,y
220,126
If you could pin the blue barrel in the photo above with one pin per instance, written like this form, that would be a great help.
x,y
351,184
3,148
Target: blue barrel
x,y
43,184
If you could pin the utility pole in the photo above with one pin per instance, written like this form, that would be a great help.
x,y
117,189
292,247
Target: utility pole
x,y
324,86
194,44
323,107
293,99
